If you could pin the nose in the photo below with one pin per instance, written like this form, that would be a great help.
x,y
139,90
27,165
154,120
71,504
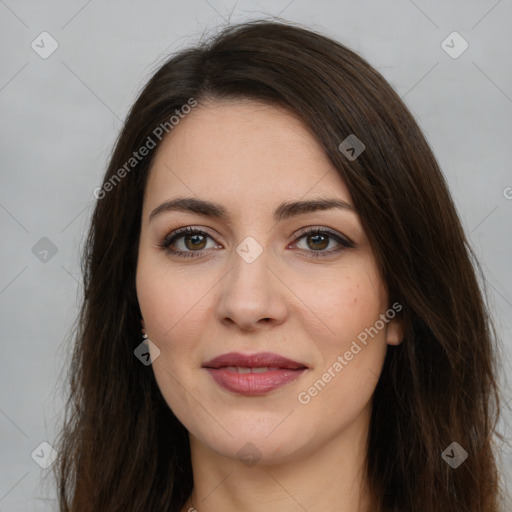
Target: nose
x,y
252,295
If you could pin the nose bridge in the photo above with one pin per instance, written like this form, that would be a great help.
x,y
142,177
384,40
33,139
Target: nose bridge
x,y
251,292
249,278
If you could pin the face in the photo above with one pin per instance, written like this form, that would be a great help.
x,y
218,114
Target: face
x,y
289,295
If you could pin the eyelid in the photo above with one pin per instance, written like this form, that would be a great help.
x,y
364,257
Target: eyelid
x,y
342,239
182,232
174,235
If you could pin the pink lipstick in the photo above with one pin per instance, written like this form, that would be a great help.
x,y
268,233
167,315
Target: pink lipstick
x,y
253,374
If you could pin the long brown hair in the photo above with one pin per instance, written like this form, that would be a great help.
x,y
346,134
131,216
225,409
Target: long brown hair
x,y
121,447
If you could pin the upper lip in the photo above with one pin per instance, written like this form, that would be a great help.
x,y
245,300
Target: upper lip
x,y
259,360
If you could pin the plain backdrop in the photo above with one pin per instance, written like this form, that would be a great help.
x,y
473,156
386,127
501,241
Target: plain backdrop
x,y
61,114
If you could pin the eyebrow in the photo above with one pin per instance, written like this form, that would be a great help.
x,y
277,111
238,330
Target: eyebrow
x,y
282,212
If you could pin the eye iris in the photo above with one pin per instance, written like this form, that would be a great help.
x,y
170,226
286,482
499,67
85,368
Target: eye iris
x,y
319,241
198,241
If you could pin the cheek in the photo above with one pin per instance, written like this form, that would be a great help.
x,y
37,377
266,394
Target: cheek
x,y
343,307
171,301
351,351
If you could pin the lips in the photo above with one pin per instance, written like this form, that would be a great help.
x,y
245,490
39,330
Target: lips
x,y
259,360
253,374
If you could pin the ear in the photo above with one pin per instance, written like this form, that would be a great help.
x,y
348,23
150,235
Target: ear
x,y
395,331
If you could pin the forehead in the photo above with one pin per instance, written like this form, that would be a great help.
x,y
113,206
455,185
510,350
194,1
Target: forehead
x,y
242,149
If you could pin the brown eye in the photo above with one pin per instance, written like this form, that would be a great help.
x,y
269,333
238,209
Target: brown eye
x,y
322,242
195,242
317,242
188,242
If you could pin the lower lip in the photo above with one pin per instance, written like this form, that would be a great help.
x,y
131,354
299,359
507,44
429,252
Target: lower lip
x,y
251,384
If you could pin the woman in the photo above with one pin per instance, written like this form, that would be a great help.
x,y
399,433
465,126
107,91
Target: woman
x,y
313,332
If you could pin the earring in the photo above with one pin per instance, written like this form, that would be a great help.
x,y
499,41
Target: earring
x,y
143,330
152,352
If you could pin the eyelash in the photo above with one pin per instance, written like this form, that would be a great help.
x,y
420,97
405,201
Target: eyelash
x,y
171,238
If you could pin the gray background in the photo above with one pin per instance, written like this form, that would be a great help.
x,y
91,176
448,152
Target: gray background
x,y
60,117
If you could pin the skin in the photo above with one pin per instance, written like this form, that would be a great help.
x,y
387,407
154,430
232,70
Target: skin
x,y
250,157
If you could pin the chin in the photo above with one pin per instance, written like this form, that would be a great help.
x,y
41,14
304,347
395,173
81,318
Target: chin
x,y
256,443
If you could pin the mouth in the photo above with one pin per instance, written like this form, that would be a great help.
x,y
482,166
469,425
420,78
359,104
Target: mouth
x,y
253,374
